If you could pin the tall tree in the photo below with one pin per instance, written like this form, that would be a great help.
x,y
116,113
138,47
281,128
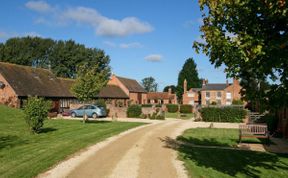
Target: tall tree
x,y
190,73
149,84
90,80
62,57
27,51
173,88
250,38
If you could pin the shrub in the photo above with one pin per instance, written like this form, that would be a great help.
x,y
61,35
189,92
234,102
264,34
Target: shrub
x,y
153,116
143,116
36,111
225,114
147,105
213,103
134,111
158,105
172,108
160,117
271,121
101,103
120,104
185,108
237,102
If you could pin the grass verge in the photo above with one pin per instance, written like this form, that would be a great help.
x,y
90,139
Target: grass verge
x,y
23,154
217,162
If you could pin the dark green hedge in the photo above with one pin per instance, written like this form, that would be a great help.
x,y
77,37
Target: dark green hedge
x,y
134,111
186,108
172,108
271,121
225,114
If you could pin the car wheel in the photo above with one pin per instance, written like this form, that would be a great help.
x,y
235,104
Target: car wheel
x,y
94,115
73,114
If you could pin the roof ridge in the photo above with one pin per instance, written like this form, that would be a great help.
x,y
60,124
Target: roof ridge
x,y
125,78
24,66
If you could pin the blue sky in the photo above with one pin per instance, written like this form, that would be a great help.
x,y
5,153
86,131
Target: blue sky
x,y
142,38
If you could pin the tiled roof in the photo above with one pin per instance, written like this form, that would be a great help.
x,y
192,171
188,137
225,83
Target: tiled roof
x,y
28,81
112,91
132,85
214,86
160,95
196,89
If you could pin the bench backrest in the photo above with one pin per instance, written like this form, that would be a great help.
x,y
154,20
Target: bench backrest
x,y
253,129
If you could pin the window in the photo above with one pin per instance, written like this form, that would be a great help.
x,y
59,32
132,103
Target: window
x,y
190,94
219,94
228,102
207,94
191,102
218,102
228,95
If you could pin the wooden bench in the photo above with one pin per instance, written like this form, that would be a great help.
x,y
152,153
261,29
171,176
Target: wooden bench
x,y
253,130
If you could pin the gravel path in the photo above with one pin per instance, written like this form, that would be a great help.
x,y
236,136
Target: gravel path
x,y
141,152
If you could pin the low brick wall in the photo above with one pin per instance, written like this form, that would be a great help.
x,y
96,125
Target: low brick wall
x,y
119,112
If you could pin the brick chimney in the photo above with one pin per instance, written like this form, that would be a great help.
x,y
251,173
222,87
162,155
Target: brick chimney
x,y
185,86
235,81
204,82
169,91
227,83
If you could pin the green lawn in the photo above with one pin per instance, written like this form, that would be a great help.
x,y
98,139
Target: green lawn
x,y
177,115
25,155
217,162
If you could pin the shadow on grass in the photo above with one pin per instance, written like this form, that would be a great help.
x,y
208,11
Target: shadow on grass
x,y
47,129
10,141
232,142
228,161
207,141
96,122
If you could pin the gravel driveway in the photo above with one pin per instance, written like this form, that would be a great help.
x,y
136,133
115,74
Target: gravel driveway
x,y
139,152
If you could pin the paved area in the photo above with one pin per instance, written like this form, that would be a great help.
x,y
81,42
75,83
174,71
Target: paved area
x,y
278,146
141,152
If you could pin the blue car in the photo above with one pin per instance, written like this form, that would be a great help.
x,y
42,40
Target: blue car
x,y
93,111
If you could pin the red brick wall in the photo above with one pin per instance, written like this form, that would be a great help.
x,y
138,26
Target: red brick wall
x,y
8,95
186,99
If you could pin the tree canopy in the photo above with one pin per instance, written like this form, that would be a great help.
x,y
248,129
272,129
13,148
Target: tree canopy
x,y
149,84
173,88
250,37
62,57
190,73
90,80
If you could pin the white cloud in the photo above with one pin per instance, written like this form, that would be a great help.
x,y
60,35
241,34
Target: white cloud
x,y
131,45
153,57
6,35
110,44
39,6
200,21
196,22
201,40
103,26
32,34
3,35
